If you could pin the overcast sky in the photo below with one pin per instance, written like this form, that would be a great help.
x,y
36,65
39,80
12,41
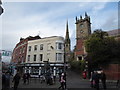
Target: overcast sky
x,y
23,19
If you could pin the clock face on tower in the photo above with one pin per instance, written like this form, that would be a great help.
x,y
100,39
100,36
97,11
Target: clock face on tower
x,y
81,25
81,31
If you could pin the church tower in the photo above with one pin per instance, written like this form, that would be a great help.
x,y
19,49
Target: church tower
x,y
83,30
67,44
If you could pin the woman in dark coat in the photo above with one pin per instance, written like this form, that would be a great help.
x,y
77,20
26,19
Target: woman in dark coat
x,y
16,80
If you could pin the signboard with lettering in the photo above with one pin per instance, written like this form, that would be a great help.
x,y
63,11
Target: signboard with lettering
x,y
5,56
5,53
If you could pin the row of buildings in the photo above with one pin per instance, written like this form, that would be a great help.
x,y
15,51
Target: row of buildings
x,y
32,54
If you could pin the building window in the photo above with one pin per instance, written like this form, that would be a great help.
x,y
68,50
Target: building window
x,y
41,47
59,46
30,48
34,57
59,56
81,25
35,47
41,57
28,57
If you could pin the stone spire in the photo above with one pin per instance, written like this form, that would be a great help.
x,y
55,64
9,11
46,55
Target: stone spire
x,y
67,45
67,39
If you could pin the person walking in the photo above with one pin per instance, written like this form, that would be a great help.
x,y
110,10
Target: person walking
x,y
95,80
103,80
28,78
65,80
84,75
3,80
7,80
62,82
24,78
91,80
48,77
118,83
16,80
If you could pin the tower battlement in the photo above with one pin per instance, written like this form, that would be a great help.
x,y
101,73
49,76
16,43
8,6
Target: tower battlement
x,y
81,19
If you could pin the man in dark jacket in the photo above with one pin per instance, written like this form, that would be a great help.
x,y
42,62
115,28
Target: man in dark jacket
x,y
28,77
103,79
16,80
3,81
96,80
7,81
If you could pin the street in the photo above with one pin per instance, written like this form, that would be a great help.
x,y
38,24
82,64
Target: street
x,y
74,81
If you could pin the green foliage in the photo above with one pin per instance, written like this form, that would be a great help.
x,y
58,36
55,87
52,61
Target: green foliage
x,y
102,49
78,65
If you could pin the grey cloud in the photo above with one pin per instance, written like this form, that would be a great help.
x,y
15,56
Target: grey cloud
x,y
111,23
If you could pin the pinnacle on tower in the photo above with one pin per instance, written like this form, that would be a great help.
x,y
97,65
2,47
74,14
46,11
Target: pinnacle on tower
x,y
80,17
86,14
76,18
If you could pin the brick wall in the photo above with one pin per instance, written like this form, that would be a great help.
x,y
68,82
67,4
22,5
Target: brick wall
x,y
112,71
79,47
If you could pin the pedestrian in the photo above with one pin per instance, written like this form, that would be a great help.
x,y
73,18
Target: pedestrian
x,y
103,79
3,80
118,83
60,75
24,78
62,82
54,77
84,74
28,77
7,80
42,78
65,80
91,79
16,80
96,79
48,77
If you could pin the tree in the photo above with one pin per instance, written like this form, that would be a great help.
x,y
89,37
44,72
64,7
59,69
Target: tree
x,y
102,49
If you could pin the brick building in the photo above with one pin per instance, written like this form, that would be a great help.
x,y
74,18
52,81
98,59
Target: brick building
x,y
20,50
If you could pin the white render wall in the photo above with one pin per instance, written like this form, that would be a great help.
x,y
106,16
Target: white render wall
x,y
50,49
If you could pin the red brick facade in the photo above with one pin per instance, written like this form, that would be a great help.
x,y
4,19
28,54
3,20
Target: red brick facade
x,y
19,52
112,72
79,47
